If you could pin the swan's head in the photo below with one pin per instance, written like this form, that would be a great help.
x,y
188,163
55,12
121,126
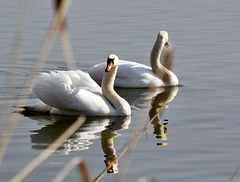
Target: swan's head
x,y
163,37
112,61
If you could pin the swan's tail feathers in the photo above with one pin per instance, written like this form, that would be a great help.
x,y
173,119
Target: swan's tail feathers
x,y
168,59
33,109
29,111
66,90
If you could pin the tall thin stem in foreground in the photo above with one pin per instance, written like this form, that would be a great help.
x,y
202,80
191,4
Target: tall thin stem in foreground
x,y
49,151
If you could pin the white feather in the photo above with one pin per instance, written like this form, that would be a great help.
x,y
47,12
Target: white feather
x,y
74,92
135,75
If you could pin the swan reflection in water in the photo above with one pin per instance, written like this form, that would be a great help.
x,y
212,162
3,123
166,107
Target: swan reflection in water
x,y
107,137
55,125
158,104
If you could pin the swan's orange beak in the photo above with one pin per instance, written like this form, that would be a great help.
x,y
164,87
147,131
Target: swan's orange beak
x,y
166,44
109,66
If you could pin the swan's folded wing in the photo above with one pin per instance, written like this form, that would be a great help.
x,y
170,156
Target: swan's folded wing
x,y
136,75
130,74
56,90
82,80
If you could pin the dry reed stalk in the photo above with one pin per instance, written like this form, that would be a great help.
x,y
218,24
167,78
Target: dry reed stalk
x,y
37,66
65,41
168,62
234,174
168,58
67,49
12,69
77,161
125,148
49,151
47,44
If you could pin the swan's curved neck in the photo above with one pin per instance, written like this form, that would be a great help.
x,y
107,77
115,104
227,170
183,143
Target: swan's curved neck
x,y
155,63
120,104
108,81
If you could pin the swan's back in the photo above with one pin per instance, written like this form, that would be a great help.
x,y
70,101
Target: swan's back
x,y
130,74
80,79
71,92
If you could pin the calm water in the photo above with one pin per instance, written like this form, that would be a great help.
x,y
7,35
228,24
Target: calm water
x,y
203,119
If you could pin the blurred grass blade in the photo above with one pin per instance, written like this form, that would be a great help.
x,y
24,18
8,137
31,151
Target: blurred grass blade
x,y
168,58
65,41
49,151
124,149
77,161
67,49
234,174
11,76
37,66
83,171
47,44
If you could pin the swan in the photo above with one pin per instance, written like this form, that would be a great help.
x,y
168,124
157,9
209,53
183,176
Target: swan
x,y
135,75
75,92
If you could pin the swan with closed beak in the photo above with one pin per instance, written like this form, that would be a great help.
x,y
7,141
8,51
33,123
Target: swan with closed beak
x,y
75,92
136,75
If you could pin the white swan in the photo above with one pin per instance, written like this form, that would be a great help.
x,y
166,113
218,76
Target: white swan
x,y
135,75
74,93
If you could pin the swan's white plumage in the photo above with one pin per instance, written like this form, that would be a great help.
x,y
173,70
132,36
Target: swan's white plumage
x,y
69,91
74,92
135,75
130,74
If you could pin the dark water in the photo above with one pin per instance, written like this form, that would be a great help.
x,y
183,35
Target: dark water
x,y
201,142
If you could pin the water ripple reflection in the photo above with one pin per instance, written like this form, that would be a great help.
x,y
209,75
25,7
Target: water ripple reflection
x,y
55,125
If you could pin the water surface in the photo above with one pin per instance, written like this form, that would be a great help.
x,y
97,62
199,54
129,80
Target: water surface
x,y
202,134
